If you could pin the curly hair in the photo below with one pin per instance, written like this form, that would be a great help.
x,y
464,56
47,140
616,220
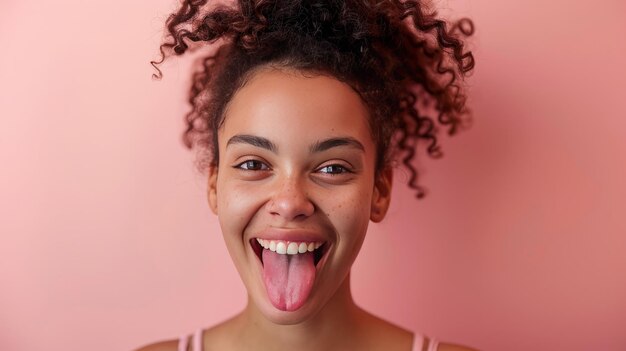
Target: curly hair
x,y
393,53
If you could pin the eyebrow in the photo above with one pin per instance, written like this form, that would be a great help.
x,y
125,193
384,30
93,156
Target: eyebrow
x,y
330,143
318,146
254,141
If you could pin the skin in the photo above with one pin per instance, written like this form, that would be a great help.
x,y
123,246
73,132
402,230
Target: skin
x,y
271,177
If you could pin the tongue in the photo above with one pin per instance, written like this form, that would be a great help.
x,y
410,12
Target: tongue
x,y
288,278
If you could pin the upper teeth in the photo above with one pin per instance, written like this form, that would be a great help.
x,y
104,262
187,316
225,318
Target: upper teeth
x,y
289,248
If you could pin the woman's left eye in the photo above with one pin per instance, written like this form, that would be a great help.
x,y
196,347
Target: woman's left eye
x,y
333,169
253,165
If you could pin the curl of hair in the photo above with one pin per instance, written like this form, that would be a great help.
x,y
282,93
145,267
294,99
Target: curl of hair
x,y
393,53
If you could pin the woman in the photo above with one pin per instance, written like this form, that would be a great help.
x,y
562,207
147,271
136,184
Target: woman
x,y
298,116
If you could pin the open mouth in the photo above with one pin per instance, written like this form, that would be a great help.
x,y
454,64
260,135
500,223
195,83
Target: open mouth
x,y
289,269
282,247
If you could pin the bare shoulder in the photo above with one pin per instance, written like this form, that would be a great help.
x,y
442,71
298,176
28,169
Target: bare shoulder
x,y
169,345
453,347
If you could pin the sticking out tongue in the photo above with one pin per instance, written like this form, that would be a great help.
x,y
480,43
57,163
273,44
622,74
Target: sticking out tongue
x,y
288,278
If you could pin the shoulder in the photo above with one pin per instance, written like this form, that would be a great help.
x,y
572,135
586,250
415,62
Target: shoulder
x,y
453,347
169,345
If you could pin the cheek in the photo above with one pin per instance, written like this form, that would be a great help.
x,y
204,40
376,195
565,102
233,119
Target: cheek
x,y
237,204
350,214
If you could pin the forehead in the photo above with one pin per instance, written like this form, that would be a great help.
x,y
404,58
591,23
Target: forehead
x,y
278,104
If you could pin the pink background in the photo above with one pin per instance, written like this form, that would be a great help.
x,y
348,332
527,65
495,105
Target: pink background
x,y
106,241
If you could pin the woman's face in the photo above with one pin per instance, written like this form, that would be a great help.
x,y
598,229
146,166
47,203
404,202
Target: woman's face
x,y
296,170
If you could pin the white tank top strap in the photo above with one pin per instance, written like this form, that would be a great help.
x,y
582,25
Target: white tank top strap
x,y
423,343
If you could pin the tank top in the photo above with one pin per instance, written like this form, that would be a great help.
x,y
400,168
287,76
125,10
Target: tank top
x,y
420,342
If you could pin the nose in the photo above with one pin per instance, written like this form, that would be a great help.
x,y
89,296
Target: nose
x,y
290,201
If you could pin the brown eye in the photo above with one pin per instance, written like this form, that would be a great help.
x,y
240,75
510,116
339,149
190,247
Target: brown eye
x,y
334,169
252,165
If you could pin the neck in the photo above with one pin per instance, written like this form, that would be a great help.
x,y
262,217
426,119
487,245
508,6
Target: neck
x,y
333,326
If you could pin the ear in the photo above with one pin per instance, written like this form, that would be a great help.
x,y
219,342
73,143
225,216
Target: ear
x,y
212,188
382,194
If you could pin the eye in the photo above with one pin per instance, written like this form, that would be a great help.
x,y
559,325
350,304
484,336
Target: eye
x,y
253,165
334,169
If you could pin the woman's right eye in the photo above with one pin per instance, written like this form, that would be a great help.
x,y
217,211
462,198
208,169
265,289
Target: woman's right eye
x,y
253,165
